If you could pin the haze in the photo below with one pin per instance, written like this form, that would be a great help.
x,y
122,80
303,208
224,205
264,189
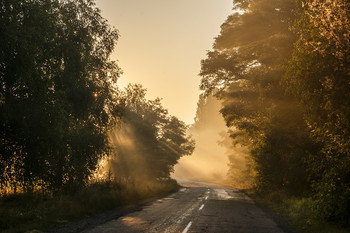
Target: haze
x,y
209,161
161,44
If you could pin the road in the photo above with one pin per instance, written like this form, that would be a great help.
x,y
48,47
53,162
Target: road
x,y
204,208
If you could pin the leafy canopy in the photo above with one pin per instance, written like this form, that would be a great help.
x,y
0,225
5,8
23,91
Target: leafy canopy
x,y
57,91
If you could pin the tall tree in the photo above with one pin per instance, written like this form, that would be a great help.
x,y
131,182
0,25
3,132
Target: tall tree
x,y
56,91
149,141
246,65
318,75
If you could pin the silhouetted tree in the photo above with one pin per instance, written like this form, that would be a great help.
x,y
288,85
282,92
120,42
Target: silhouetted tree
x,y
247,64
318,75
149,141
299,139
56,92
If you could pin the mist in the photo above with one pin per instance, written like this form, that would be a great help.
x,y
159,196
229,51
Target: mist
x,y
128,161
125,162
221,155
147,142
209,161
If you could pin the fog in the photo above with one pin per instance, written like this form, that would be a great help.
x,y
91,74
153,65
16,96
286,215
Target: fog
x,y
209,162
217,158
128,160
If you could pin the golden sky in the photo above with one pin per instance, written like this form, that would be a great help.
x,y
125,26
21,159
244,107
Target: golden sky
x,y
162,43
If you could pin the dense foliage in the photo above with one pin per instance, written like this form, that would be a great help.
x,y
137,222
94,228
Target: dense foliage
x,y
149,141
62,114
282,70
56,93
247,64
318,75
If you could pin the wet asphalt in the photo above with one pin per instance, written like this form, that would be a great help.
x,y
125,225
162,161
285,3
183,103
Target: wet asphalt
x,y
196,208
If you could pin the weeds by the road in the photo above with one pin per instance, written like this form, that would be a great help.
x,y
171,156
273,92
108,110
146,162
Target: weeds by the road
x,y
297,212
36,212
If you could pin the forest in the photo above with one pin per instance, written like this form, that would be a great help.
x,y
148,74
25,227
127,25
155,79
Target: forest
x,y
60,103
66,127
279,68
281,72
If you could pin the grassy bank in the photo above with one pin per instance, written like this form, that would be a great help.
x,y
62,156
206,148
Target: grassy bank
x,y
297,212
36,212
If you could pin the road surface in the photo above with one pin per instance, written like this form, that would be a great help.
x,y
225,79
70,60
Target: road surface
x,y
196,209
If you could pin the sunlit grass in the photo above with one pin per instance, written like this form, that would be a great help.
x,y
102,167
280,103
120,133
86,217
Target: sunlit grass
x,y
38,212
297,212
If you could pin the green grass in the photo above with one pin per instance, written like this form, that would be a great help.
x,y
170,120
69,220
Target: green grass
x,y
37,212
297,212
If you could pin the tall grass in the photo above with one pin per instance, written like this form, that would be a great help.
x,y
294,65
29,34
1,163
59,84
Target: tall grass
x,y
298,212
42,211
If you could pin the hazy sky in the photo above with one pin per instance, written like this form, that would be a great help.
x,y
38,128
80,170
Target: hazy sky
x,y
162,43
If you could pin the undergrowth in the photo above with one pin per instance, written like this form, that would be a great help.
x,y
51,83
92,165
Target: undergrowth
x,y
37,212
298,212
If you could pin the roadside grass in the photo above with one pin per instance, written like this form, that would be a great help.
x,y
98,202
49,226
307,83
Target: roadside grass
x,y
38,212
297,212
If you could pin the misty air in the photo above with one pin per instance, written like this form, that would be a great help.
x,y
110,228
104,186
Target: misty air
x,y
175,116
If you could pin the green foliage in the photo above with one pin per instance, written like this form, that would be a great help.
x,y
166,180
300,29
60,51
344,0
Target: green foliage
x,y
299,140
318,75
246,65
35,211
148,142
298,212
56,94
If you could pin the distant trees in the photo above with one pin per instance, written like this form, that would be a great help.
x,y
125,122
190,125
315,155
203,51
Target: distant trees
x,y
57,92
227,160
282,70
148,141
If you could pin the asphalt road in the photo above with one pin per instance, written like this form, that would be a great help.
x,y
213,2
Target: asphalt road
x,y
203,208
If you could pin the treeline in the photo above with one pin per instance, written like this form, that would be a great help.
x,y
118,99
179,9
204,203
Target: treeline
x,y
59,101
281,70
148,142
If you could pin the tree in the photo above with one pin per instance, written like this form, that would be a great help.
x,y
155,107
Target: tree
x,y
318,75
57,92
149,141
247,64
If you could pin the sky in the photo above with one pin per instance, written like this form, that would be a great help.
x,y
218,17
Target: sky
x,y
162,43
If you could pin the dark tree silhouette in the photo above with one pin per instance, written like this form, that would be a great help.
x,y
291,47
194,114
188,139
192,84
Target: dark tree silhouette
x,y
246,65
56,92
149,141
282,70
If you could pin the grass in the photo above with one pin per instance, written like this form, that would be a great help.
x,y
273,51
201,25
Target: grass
x,y
37,212
297,212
